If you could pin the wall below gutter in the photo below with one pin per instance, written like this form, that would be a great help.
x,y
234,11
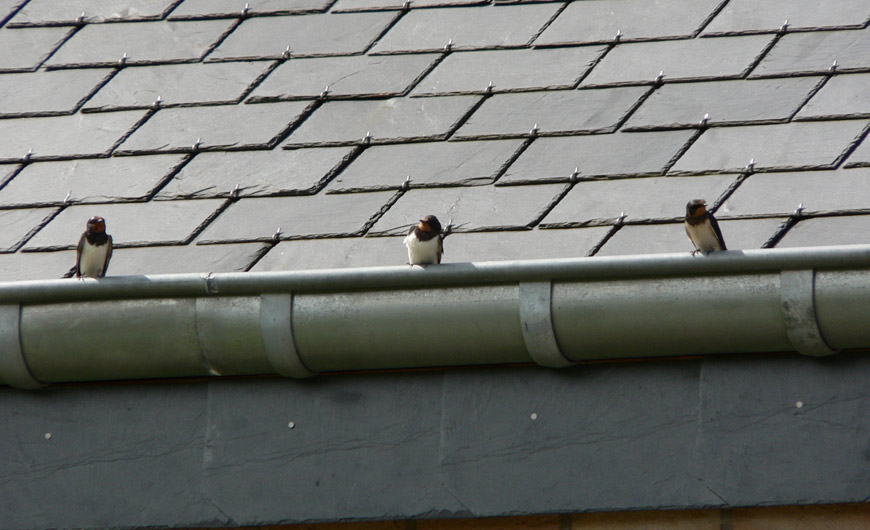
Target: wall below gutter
x,y
552,312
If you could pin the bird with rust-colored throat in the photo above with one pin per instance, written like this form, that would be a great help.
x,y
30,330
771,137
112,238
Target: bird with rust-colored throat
x,y
425,242
94,250
702,228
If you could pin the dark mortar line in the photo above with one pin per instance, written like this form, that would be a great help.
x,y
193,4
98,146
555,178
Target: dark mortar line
x,y
464,118
380,213
729,191
118,64
464,183
595,63
164,181
249,14
822,82
259,79
706,22
851,148
432,66
133,129
162,105
754,64
783,229
513,158
94,90
343,164
610,233
854,165
261,254
552,204
547,24
9,16
82,23
640,101
172,7
495,90
295,124
387,28
680,152
221,38
12,175
454,48
63,41
208,220
33,231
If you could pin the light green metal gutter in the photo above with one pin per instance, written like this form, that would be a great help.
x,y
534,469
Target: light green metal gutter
x,y
553,312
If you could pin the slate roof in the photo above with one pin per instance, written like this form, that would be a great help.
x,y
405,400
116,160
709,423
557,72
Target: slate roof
x,y
220,135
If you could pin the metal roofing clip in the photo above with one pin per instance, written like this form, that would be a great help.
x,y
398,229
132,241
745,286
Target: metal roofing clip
x,y
27,156
449,45
123,60
68,195
235,193
245,10
621,219
277,235
324,93
406,5
367,139
618,36
407,183
575,175
488,90
799,210
833,67
658,79
534,131
750,167
157,102
704,120
784,27
80,19
286,53
197,143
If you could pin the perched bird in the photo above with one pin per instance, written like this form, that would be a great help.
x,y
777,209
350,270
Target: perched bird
x,y
424,242
94,250
702,228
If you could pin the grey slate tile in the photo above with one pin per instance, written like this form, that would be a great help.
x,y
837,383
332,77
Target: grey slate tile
x,y
652,198
470,208
641,62
7,171
599,20
143,42
349,6
801,145
523,244
36,265
18,224
128,223
321,34
818,191
317,215
546,68
225,126
181,259
824,231
816,51
307,254
342,122
88,180
7,7
860,157
67,136
468,27
190,9
744,16
52,12
671,237
842,96
140,86
47,92
216,174
26,49
345,76
387,166
561,111
743,101
597,155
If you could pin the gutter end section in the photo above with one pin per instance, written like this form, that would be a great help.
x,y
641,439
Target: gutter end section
x,y
13,367
276,326
536,320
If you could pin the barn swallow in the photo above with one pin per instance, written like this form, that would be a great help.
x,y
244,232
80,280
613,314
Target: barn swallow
x,y
424,242
702,228
94,250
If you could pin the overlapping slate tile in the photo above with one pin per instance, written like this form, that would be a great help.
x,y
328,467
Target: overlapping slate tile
x,y
143,42
195,9
20,223
88,180
255,172
326,34
128,223
306,254
52,12
7,8
522,244
842,96
140,86
26,49
817,191
473,71
466,27
800,145
620,154
756,101
470,208
36,265
181,259
671,237
824,231
349,6
225,126
641,62
816,51
318,215
653,198
860,157
560,111
746,16
47,92
358,76
65,136
427,164
599,20
7,171
397,119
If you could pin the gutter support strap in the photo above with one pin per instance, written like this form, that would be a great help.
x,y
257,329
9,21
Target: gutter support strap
x,y
799,312
276,326
536,320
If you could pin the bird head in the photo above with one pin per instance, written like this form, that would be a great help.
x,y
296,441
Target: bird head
x,y
96,224
430,223
696,208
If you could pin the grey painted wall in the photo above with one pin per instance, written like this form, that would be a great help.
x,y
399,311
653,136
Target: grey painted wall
x,y
719,432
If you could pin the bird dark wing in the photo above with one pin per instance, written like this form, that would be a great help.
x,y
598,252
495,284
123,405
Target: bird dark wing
x,y
440,248
79,256
716,229
108,256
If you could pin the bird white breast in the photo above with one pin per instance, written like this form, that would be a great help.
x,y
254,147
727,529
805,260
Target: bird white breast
x,y
703,236
93,259
421,252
